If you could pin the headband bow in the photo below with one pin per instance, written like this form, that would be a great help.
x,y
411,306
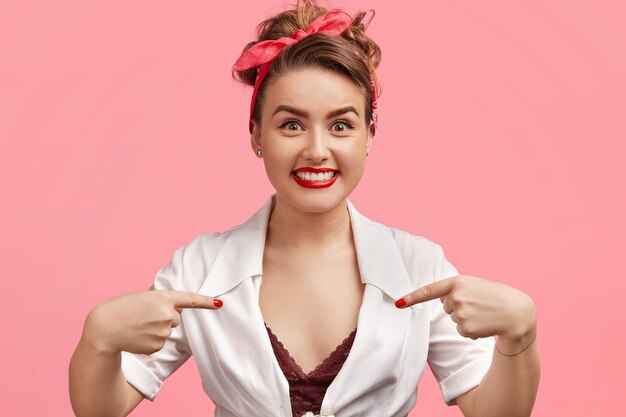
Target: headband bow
x,y
262,54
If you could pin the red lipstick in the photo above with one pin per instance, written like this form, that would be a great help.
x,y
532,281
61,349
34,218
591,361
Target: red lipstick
x,y
315,184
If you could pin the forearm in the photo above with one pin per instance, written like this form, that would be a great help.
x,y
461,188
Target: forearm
x,y
510,386
96,382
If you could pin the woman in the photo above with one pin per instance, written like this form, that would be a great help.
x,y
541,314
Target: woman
x,y
309,307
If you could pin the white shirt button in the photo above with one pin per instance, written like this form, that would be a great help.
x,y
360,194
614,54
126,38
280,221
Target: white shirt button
x,y
327,411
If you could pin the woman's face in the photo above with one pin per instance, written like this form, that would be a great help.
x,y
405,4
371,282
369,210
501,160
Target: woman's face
x,y
313,120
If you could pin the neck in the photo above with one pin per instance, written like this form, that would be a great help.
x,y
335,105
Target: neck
x,y
291,228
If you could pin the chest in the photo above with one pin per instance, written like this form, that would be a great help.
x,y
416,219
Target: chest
x,y
311,303
316,299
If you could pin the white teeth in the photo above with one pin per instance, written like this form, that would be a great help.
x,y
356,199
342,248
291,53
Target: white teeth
x,y
315,176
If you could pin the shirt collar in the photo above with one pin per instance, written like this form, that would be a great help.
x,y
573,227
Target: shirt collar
x,y
241,256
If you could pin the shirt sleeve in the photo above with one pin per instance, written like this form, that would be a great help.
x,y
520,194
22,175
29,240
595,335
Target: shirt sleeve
x,y
458,363
147,372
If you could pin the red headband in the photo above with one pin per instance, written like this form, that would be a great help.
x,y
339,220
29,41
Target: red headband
x,y
263,53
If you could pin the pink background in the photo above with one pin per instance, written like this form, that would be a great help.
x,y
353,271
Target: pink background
x,y
123,136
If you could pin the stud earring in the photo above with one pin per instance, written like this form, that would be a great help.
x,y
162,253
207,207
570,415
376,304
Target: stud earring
x,y
258,152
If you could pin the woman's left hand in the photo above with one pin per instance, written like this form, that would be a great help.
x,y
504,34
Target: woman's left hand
x,y
482,308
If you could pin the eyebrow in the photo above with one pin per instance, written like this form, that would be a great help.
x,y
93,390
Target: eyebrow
x,y
302,113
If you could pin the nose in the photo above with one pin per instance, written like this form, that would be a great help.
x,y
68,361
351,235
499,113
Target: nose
x,y
317,146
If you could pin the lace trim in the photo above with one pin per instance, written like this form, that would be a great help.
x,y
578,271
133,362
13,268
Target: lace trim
x,y
325,364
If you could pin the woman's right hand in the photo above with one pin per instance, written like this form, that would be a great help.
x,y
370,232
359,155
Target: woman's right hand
x,y
140,322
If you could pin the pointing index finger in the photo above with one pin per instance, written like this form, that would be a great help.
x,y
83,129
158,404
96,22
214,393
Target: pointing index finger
x,y
187,299
428,292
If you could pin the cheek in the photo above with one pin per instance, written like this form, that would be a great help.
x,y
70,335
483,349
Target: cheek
x,y
352,165
277,163
359,167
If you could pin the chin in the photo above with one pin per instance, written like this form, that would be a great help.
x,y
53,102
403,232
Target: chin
x,y
312,201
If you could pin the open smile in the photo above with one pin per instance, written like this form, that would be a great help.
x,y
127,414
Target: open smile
x,y
315,178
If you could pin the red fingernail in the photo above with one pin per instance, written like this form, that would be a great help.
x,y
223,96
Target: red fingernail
x,y
400,303
218,303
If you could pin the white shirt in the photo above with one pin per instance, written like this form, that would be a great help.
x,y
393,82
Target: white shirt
x,y
233,352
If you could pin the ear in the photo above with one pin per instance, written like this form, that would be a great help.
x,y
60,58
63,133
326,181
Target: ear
x,y
371,131
255,137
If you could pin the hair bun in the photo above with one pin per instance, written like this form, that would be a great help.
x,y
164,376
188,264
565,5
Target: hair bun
x,y
352,53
